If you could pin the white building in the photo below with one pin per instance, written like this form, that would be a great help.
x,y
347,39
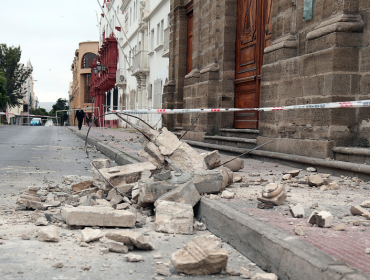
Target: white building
x,y
143,72
28,101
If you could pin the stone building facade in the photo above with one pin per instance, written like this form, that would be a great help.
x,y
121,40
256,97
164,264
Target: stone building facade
x,y
310,52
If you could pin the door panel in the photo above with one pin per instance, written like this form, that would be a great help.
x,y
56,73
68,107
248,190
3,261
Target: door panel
x,y
253,35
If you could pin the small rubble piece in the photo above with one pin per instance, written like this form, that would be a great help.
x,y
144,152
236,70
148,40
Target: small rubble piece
x,y
294,173
265,276
58,265
237,178
315,180
287,177
116,247
321,219
265,205
299,231
228,195
127,174
173,217
25,237
311,169
340,227
131,238
358,211
365,204
89,234
114,197
231,272
41,221
274,193
201,256
101,163
86,267
98,216
367,251
297,211
186,194
234,165
333,186
199,226
122,206
245,273
77,188
163,268
104,250
134,258
30,198
48,234
212,159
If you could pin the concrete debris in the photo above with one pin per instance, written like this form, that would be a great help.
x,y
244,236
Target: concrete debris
x,y
365,204
299,231
311,169
114,197
101,163
273,193
173,217
321,219
340,227
315,180
163,176
131,238
264,276
58,265
134,258
231,272
228,176
212,159
297,211
25,237
367,251
187,159
294,173
286,177
48,234
245,273
163,268
127,174
235,165
201,256
30,199
199,226
332,186
228,195
76,188
89,235
186,194
116,247
122,206
86,267
41,221
98,216
135,193
157,256
150,191
237,178
358,211
167,142
210,181
104,250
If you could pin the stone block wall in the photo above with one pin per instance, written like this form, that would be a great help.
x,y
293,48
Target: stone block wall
x,y
210,83
324,59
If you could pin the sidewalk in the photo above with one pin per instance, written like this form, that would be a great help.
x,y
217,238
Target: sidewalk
x,y
346,246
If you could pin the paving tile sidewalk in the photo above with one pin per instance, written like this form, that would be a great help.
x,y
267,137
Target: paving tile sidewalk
x,y
347,246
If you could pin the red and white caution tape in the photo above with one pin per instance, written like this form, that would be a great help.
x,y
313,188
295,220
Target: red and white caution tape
x,y
24,115
331,105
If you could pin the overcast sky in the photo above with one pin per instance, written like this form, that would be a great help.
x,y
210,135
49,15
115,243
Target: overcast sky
x,y
48,32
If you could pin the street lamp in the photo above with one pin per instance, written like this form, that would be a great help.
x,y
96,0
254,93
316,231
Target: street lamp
x,y
101,69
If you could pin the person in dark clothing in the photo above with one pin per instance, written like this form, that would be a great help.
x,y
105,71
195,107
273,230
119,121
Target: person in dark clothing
x,y
80,114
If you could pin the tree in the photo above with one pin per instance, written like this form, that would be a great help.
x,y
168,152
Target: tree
x,y
15,74
3,96
40,112
61,104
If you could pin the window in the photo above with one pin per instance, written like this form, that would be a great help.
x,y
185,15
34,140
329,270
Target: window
x,y
87,96
87,59
152,39
158,31
134,10
162,30
168,20
130,15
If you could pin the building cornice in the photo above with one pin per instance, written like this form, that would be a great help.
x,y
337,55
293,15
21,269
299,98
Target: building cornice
x,y
156,8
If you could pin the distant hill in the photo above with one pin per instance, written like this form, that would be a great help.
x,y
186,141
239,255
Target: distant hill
x,y
46,105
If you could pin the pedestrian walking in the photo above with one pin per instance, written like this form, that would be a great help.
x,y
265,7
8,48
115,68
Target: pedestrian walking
x,y
80,114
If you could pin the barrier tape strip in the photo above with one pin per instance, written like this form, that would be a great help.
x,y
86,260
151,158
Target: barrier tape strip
x,y
24,115
331,105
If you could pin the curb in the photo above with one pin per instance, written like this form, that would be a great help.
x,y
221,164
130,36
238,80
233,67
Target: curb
x,y
118,156
270,248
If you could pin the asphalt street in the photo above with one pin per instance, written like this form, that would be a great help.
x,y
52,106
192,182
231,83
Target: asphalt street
x,y
41,156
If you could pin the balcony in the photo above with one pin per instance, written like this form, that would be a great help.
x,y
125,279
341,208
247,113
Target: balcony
x,y
140,63
166,43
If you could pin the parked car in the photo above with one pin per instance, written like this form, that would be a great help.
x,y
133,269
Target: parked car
x,y
36,122
49,123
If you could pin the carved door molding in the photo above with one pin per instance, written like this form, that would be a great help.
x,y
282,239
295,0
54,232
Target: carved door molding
x,y
253,35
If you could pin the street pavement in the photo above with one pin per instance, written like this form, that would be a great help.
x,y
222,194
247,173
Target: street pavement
x,y
42,156
346,246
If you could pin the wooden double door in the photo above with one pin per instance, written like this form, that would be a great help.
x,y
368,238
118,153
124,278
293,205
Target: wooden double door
x,y
253,36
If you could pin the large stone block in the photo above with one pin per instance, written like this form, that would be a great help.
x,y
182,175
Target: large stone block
x,y
151,191
187,159
173,217
98,216
167,142
186,194
209,181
